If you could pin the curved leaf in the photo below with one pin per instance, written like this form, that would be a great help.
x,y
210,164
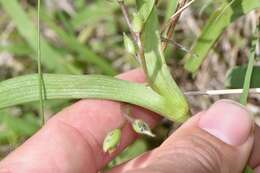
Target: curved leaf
x,y
219,20
159,75
24,89
145,8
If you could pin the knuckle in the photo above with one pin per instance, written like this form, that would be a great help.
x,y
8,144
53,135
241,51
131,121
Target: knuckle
x,y
197,154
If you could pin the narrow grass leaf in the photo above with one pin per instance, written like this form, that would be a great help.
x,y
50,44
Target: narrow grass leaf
x,y
84,53
52,60
247,81
94,13
39,62
218,22
171,8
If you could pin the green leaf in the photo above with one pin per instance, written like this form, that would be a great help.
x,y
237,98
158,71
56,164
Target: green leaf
x,y
19,49
145,8
16,127
249,71
84,53
24,89
171,8
235,77
159,75
93,13
51,59
218,22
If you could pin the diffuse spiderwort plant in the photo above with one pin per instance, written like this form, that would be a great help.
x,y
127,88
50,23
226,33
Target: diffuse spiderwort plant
x,y
146,34
161,95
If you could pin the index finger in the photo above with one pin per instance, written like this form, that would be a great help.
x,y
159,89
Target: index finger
x,y
72,140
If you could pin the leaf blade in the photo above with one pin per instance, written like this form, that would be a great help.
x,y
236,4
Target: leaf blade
x,y
24,89
218,22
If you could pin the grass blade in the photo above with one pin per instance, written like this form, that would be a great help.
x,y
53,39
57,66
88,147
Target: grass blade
x,y
94,13
171,8
52,60
218,22
247,81
84,52
39,62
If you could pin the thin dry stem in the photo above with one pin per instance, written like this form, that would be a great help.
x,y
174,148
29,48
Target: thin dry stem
x,y
171,24
127,17
221,92
136,35
175,44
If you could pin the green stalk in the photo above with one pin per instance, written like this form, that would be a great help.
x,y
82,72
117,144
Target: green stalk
x,y
247,81
249,71
40,78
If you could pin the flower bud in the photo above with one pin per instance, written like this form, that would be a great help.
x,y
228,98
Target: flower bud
x,y
137,23
129,45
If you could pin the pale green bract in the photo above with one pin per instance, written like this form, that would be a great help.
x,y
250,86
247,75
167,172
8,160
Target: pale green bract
x,y
142,127
129,45
137,23
112,140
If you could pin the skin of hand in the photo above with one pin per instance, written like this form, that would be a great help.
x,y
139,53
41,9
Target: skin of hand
x,y
221,139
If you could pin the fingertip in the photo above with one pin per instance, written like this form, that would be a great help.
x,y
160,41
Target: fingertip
x,y
136,75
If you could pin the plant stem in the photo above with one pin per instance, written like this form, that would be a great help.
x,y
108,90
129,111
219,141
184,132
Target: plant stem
x,y
40,78
247,81
127,18
136,36
175,43
173,21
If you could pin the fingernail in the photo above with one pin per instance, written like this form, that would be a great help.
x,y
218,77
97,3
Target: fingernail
x,y
228,121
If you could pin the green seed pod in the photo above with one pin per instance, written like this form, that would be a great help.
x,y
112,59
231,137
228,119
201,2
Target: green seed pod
x,y
137,23
112,140
129,45
142,127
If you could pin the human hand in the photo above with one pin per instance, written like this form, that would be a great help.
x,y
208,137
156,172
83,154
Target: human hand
x,y
218,140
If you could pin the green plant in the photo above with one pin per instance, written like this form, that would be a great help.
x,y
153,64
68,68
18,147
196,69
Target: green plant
x,y
161,95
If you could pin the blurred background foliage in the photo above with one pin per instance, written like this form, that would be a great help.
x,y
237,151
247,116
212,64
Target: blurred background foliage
x,y
85,37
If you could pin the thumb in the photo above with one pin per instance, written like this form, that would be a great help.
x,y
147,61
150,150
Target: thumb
x,y
218,140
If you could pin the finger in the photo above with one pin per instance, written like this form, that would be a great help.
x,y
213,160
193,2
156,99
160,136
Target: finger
x,y
218,140
255,156
72,140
